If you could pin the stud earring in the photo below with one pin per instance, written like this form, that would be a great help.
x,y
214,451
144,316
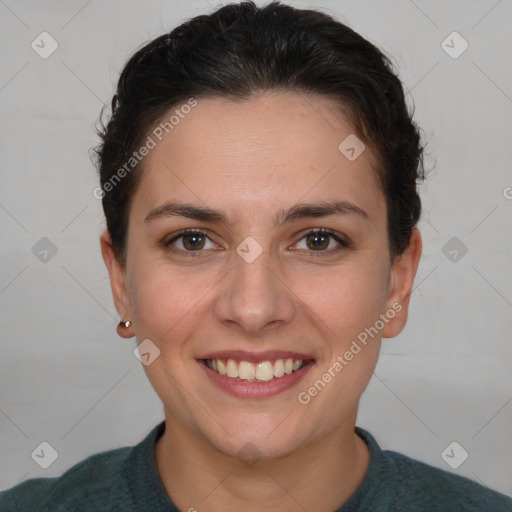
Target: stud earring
x,y
122,327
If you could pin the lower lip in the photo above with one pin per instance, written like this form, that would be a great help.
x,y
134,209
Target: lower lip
x,y
248,389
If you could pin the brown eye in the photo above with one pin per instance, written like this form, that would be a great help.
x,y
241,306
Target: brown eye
x,y
189,241
193,241
320,240
317,241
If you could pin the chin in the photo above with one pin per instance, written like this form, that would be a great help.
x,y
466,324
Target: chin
x,y
255,435
249,449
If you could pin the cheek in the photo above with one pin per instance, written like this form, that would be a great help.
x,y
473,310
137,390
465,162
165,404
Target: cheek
x,y
168,300
346,299
343,300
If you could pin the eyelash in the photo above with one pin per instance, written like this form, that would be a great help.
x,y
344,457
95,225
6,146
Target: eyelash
x,y
345,244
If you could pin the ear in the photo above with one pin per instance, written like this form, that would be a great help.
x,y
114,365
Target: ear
x,y
402,276
118,283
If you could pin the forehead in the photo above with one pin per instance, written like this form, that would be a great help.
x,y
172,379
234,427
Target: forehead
x,y
272,149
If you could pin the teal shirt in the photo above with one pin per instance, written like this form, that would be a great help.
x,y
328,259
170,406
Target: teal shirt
x,y
127,479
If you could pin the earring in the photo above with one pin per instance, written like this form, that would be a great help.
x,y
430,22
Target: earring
x,y
122,327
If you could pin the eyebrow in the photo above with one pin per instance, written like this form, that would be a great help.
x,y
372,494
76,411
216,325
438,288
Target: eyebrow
x,y
293,214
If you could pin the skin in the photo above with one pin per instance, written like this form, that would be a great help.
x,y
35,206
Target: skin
x,y
251,159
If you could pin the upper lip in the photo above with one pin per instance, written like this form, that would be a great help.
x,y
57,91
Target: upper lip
x,y
255,357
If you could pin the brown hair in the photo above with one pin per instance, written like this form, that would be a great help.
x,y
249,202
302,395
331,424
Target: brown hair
x,y
241,49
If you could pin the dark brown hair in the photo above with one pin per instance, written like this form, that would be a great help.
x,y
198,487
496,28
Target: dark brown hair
x,y
239,50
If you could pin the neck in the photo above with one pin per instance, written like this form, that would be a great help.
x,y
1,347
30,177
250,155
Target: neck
x,y
320,476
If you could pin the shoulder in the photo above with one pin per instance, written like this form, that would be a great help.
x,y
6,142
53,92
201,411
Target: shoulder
x,y
444,490
85,484
412,485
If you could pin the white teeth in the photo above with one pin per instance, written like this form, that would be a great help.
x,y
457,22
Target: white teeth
x,y
263,371
232,368
246,371
279,368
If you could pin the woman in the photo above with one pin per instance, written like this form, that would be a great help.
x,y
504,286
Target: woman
x,y
258,177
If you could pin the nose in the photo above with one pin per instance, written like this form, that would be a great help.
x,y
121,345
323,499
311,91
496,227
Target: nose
x,y
254,298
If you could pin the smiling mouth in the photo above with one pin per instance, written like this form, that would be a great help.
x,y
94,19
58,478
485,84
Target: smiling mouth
x,y
263,371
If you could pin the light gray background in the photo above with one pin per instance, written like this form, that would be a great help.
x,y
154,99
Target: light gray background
x,y
68,379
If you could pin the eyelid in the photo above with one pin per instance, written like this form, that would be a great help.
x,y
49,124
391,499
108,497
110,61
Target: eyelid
x,y
188,231
342,240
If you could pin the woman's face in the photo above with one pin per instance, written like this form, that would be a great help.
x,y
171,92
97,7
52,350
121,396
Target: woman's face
x,y
252,283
